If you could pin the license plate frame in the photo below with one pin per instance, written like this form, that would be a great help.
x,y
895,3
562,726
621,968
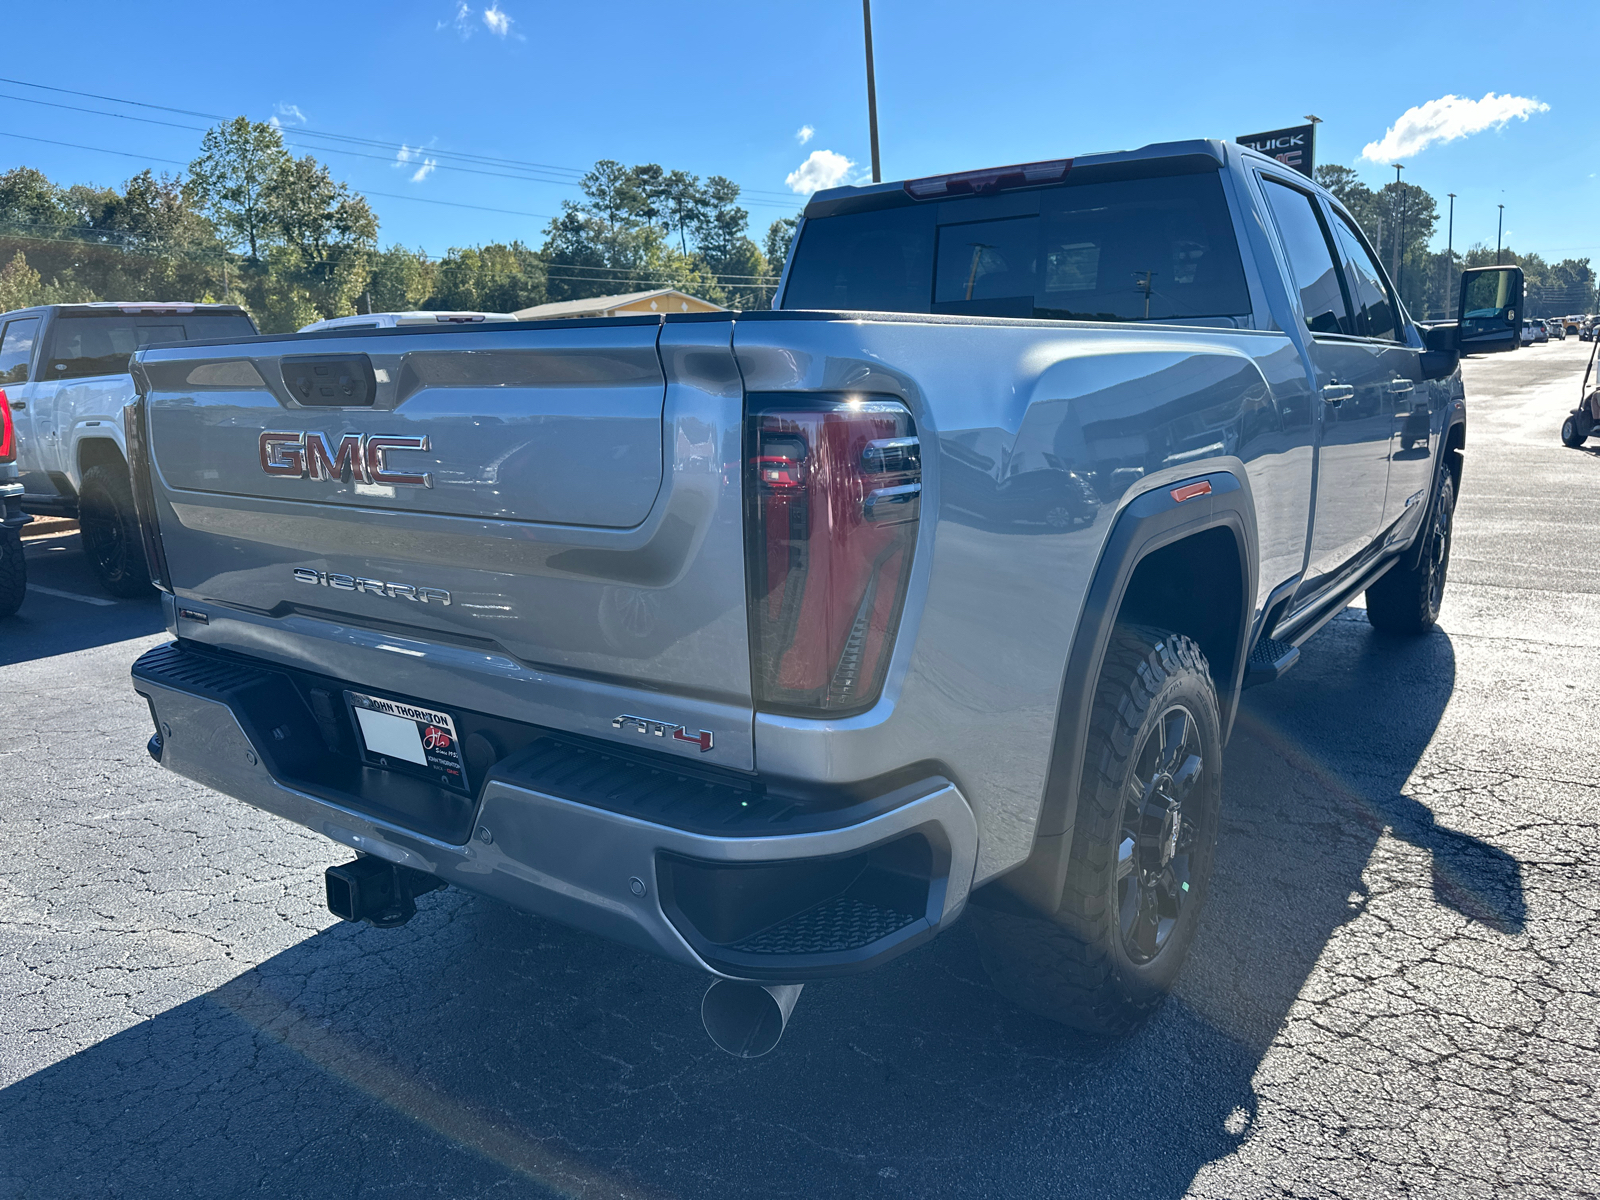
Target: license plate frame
x,y
383,743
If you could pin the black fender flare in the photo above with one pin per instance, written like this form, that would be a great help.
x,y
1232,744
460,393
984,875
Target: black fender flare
x,y
1149,522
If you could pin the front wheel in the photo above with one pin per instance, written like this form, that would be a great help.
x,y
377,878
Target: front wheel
x,y
13,572
1407,599
111,531
1142,847
1575,431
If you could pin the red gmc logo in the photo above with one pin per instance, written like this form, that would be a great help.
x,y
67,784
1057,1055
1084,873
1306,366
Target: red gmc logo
x,y
302,455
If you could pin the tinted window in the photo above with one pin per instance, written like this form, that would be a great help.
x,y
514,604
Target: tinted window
x,y
16,349
1375,310
81,346
1132,250
873,261
1311,259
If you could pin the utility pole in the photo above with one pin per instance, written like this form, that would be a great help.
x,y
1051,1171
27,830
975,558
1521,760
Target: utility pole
x,y
1500,225
872,91
1399,229
1450,253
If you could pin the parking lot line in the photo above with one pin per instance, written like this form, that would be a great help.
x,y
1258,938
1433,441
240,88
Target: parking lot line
x,y
48,591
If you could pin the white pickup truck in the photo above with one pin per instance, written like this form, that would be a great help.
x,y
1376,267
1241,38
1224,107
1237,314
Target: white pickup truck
x,y
64,378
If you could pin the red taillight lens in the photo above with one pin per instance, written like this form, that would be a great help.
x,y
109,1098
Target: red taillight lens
x,y
834,490
8,431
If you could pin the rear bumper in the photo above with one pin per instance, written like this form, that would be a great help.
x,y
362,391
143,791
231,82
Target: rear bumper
x,y
754,888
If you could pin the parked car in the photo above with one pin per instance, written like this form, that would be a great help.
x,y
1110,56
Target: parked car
x,y
396,320
13,565
1556,328
771,642
1572,324
64,368
1585,332
1529,332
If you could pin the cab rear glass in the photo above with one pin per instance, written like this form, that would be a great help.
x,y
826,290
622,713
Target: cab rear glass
x,y
81,346
1145,249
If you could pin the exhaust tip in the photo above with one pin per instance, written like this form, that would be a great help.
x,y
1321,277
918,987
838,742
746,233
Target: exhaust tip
x,y
747,1019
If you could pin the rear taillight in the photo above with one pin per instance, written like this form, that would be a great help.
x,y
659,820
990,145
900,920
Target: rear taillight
x,y
833,491
8,432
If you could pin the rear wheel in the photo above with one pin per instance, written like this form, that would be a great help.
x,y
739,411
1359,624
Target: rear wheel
x,y
1142,847
1407,599
13,572
111,531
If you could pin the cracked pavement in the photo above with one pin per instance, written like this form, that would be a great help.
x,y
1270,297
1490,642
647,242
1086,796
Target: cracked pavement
x,y
1393,993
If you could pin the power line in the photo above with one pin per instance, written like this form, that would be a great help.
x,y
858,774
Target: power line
x,y
524,165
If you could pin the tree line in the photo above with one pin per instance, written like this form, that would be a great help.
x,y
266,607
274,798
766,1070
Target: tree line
x,y
249,223
1401,220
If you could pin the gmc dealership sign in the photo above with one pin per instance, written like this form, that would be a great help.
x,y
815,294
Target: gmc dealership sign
x,y
1292,147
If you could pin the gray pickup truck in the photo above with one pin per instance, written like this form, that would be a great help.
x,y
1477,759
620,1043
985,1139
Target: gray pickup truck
x,y
772,642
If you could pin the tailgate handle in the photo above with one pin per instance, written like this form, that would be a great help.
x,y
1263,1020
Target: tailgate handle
x,y
330,380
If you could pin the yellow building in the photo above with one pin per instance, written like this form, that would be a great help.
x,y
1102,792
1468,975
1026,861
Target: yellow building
x,y
633,304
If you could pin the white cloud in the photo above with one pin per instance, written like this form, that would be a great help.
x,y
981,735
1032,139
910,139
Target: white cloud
x,y
424,170
804,134
405,154
286,114
823,169
1445,120
499,24
462,22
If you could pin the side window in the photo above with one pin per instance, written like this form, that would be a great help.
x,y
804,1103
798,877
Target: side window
x,y
1375,310
16,349
1311,258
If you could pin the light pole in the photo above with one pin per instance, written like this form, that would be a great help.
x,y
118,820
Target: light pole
x,y
872,91
1315,121
1499,225
1400,232
1449,250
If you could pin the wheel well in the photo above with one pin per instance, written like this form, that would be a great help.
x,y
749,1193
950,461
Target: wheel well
x,y
99,452
1455,440
1194,587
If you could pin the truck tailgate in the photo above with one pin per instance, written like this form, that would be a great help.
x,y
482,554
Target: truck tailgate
x,y
557,500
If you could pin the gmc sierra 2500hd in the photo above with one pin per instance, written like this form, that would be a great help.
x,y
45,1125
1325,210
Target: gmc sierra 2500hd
x,y
771,642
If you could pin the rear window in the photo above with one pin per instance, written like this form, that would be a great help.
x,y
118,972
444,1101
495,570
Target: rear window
x,y
1158,249
81,346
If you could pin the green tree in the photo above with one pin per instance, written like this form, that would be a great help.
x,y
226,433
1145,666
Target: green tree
x,y
494,278
20,286
400,280
27,198
232,179
779,236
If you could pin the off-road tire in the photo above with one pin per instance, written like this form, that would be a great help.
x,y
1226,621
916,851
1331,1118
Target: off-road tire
x,y
1073,965
110,531
1406,600
13,572
1575,431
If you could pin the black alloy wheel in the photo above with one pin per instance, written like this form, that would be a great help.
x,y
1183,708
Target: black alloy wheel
x,y
110,532
1407,599
1155,852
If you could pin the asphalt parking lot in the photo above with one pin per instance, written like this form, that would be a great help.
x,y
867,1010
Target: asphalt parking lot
x,y
1395,991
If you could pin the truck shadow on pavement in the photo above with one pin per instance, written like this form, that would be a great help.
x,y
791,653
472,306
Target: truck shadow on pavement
x,y
479,1050
74,613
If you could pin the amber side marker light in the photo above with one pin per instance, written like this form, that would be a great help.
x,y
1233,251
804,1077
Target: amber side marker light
x,y
1190,490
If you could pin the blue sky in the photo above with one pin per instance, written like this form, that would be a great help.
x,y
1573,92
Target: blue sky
x,y
716,87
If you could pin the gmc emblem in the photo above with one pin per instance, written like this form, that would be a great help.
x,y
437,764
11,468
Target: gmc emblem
x,y
363,455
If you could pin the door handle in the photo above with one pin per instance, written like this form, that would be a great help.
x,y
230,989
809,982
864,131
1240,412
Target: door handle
x,y
1401,387
19,405
1337,393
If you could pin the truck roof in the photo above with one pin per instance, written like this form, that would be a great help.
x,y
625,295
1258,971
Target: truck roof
x,y
1197,154
107,308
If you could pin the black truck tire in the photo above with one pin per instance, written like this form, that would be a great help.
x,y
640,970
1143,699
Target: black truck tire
x,y
13,572
1142,847
110,532
1406,600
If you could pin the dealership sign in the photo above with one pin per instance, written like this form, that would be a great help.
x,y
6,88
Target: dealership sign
x,y
1292,147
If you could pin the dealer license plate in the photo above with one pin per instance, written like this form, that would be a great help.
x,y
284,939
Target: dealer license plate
x,y
400,735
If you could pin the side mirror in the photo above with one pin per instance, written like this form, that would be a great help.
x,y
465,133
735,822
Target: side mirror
x,y
1489,318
